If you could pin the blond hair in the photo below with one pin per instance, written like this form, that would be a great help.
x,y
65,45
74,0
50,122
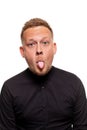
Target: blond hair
x,y
35,22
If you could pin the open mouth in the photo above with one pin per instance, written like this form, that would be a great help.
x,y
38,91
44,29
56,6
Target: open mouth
x,y
40,64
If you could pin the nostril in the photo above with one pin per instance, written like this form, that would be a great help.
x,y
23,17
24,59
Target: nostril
x,y
39,53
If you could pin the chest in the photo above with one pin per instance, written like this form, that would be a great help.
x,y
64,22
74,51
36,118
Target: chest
x,y
44,103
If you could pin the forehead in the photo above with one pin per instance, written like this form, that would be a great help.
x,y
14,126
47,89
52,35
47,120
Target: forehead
x,y
37,31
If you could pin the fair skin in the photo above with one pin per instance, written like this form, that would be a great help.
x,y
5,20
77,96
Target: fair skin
x,y
38,49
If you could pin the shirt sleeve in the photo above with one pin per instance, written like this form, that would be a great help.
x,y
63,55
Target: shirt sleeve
x,y
7,117
80,108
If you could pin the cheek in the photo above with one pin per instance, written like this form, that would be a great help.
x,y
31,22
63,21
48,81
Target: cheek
x,y
49,52
28,54
30,57
49,56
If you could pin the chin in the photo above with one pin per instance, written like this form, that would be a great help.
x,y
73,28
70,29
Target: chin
x,y
42,72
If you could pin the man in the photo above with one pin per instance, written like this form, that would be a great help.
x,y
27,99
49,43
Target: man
x,y
42,97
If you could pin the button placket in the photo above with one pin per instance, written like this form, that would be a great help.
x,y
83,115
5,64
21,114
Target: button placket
x,y
43,94
44,105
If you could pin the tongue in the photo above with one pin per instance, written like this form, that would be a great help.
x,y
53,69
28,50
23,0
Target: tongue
x,y
40,64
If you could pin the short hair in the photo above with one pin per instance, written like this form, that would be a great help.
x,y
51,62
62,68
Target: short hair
x,y
35,22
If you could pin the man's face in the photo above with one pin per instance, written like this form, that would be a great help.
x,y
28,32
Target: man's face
x,y
38,49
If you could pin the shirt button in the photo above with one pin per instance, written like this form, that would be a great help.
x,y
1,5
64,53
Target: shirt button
x,y
43,87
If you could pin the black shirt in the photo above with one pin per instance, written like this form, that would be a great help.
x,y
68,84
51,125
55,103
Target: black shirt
x,y
56,101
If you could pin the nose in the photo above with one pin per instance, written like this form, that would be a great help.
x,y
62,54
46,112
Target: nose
x,y
39,49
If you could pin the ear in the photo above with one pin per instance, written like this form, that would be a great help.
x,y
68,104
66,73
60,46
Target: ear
x,y
22,51
55,48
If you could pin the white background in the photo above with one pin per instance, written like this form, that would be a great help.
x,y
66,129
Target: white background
x,y
68,18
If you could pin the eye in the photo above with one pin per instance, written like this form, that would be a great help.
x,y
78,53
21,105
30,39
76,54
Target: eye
x,y
45,42
31,44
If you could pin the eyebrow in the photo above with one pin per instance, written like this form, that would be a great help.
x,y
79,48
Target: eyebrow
x,y
41,39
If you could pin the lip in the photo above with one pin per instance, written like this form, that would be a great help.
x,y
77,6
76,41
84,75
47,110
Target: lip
x,y
39,61
40,64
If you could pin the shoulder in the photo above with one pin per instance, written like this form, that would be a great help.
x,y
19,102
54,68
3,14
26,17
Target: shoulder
x,y
16,79
16,83
68,78
64,74
69,82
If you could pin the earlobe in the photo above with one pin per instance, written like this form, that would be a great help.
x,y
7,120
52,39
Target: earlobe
x,y
22,51
55,48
